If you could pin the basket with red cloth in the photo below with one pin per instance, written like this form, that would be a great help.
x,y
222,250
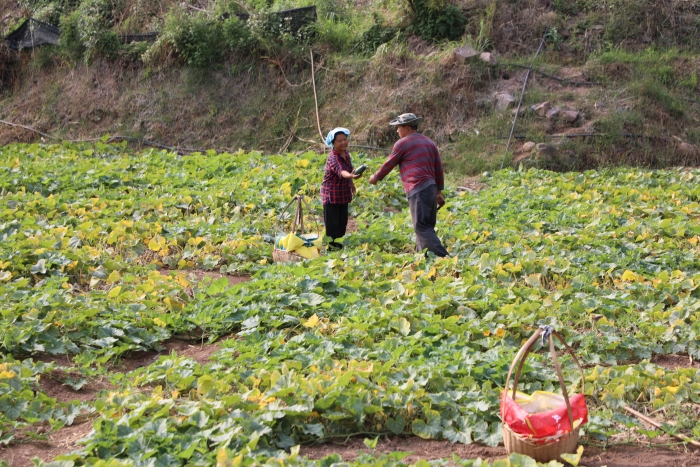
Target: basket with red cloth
x,y
542,425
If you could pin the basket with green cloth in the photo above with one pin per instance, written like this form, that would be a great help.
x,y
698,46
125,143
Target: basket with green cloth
x,y
297,245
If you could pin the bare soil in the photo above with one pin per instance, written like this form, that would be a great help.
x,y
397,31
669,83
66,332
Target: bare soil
x,y
197,352
52,385
60,442
673,362
472,184
200,274
420,449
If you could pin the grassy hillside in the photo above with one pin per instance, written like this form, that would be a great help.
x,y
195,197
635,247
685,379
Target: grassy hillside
x,y
211,80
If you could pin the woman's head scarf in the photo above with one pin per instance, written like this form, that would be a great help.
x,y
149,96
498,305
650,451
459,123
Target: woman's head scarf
x,y
335,131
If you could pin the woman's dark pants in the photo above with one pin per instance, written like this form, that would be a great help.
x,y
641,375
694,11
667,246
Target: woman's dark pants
x,y
335,216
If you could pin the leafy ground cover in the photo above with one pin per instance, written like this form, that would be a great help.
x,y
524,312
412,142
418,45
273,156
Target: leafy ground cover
x,y
374,340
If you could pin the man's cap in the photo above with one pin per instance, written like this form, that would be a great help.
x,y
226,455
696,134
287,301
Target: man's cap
x,y
405,119
335,131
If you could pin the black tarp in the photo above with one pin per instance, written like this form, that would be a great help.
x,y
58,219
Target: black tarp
x,y
138,37
33,33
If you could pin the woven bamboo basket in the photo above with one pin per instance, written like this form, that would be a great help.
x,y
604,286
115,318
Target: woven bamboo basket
x,y
284,256
550,448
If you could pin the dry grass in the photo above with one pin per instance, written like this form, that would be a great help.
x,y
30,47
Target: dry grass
x,y
251,106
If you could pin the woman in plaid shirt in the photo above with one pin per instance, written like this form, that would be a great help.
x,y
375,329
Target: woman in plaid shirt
x,y
337,187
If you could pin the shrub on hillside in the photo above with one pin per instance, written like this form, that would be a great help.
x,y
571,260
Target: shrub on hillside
x,y
236,36
197,38
50,11
436,20
273,32
86,32
379,33
203,41
70,41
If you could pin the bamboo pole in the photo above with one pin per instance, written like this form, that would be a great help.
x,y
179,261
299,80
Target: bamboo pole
x,y
313,81
656,424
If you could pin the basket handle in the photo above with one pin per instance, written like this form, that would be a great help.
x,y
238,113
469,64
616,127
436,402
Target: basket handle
x,y
522,355
298,215
318,229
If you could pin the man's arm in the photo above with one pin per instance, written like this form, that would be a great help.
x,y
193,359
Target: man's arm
x,y
391,162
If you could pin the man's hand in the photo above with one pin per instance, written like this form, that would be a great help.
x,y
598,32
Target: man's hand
x,y
440,200
373,180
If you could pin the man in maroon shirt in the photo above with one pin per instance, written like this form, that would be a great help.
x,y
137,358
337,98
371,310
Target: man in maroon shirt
x,y
423,179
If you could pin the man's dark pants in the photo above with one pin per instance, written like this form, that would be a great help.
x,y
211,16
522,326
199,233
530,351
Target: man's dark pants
x,y
423,207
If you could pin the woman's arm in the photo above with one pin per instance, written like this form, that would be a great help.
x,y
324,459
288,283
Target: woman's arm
x,y
346,174
338,168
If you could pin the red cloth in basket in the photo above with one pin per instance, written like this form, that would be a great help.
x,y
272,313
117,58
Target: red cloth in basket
x,y
543,424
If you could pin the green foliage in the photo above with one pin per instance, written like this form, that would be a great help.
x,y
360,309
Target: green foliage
x,y
236,36
94,18
375,339
379,33
274,33
482,40
553,37
665,75
686,419
196,37
50,11
566,7
70,41
86,28
108,45
650,57
200,40
339,11
133,51
691,82
656,94
22,407
616,127
667,22
339,35
436,20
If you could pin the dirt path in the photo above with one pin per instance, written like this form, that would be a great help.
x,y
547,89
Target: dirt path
x,y
420,449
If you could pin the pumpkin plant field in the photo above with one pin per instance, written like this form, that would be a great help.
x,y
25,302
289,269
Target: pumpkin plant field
x,y
99,244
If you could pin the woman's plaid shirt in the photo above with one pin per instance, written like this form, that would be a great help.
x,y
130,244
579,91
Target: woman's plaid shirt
x,y
335,189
